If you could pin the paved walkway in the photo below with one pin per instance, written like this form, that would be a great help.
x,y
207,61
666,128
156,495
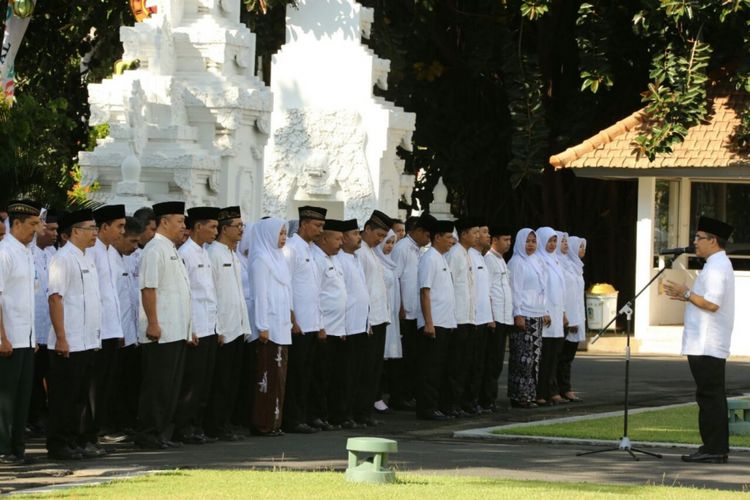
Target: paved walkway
x,y
428,447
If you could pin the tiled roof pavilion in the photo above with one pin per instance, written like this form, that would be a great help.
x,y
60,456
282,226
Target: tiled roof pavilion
x,y
706,145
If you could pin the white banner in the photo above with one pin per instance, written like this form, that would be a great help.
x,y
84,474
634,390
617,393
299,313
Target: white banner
x,y
15,27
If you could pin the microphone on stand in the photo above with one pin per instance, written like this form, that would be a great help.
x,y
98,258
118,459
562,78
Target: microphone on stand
x,y
677,251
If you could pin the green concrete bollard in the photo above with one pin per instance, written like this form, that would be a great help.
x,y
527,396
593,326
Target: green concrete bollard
x,y
739,417
368,460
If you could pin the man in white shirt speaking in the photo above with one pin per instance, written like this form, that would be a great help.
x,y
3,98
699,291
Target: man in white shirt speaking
x,y
17,339
709,319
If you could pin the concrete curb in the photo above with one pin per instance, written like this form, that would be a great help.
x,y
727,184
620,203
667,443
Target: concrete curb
x,y
486,433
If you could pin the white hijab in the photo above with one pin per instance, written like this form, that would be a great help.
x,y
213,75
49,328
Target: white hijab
x,y
574,244
562,258
264,245
550,259
533,260
386,259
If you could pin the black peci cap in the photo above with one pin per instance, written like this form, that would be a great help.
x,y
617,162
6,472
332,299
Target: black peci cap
x,y
229,213
350,225
108,213
169,208
335,225
75,217
315,213
380,220
24,207
715,226
203,213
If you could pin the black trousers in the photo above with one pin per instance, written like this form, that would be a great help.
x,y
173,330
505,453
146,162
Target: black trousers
x,y
547,384
494,357
243,409
459,357
357,391
38,405
162,366
299,378
224,387
128,387
103,392
432,358
71,422
476,346
16,379
710,394
407,372
326,375
375,353
196,386
564,365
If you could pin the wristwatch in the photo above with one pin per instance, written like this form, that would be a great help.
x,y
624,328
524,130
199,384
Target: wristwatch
x,y
687,294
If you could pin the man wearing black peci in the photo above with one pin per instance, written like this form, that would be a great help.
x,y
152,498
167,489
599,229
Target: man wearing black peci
x,y
709,319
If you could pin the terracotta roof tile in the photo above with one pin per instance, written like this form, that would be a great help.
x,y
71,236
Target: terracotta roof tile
x,y
705,145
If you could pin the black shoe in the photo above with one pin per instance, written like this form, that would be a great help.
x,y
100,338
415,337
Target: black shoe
x,y
706,458
369,422
275,433
432,415
409,405
171,444
11,460
149,443
191,439
301,429
229,436
322,425
90,450
206,439
64,454
350,424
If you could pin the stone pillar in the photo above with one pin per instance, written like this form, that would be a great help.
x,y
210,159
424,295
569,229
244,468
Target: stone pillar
x,y
333,143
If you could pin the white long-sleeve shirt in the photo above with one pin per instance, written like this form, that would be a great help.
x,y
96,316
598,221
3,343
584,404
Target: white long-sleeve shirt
x,y
272,304
127,292
333,296
305,284
501,295
406,255
481,287
110,309
357,296
375,280
527,284
202,289
460,264
232,317
41,305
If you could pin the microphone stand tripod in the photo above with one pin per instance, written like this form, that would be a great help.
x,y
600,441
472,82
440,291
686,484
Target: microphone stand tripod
x,y
627,310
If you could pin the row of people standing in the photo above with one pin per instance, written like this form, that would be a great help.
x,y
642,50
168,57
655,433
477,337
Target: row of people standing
x,y
549,312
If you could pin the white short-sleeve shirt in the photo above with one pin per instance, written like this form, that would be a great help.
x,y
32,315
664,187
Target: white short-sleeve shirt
x,y
128,293
375,278
73,276
434,273
17,282
41,305
162,269
710,333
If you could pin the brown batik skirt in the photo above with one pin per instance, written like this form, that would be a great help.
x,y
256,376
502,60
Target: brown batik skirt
x,y
270,381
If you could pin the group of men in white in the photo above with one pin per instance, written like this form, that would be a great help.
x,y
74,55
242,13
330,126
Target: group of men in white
x,y
171,329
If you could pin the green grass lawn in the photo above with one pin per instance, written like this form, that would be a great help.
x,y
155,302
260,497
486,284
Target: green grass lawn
x,y
327,485
673,425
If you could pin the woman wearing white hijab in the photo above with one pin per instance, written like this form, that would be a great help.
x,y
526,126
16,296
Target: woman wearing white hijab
x,y
392,353
575,308
272,320
553,332
528,279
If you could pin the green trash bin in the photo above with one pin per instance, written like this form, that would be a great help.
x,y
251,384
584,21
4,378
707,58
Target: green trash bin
x,y
368,460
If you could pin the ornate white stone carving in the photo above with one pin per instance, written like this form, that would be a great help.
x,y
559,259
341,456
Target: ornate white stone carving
x,y
192,115
332,141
